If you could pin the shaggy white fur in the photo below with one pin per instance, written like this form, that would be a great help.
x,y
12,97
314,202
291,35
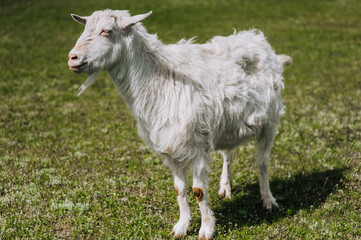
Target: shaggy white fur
x,y
189,99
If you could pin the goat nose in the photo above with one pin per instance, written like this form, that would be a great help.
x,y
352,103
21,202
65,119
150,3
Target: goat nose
x,y
73,57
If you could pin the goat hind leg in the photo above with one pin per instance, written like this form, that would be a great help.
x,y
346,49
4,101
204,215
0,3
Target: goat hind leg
x,y
265,141
226,176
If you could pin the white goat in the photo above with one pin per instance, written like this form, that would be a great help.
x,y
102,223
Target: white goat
x,y
189,99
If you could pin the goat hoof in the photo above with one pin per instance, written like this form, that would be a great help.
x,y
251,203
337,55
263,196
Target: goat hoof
x,y
224,195
207,228
225,192
180,229
221,194
177,236
272,206
275,207
204,238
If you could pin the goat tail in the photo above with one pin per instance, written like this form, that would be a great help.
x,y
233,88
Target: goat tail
x,y
284,59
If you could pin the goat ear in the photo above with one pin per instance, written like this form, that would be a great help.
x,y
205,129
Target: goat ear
x,y
79,19
126,22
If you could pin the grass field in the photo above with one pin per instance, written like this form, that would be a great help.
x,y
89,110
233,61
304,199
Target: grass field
x,y
76,169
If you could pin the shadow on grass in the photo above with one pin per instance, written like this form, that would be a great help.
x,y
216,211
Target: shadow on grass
x,y
298,192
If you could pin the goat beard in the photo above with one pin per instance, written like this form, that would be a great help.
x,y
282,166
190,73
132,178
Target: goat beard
x,y
89,81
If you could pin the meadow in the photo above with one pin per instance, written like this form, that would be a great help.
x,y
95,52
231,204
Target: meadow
x,y
75,168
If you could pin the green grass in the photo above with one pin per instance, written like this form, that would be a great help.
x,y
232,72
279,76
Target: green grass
x,y
76,169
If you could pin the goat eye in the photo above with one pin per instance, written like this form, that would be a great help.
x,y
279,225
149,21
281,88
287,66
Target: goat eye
x,y
105,33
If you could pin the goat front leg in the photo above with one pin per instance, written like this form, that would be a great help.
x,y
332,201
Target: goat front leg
x,y
226,177
200,181
180,187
